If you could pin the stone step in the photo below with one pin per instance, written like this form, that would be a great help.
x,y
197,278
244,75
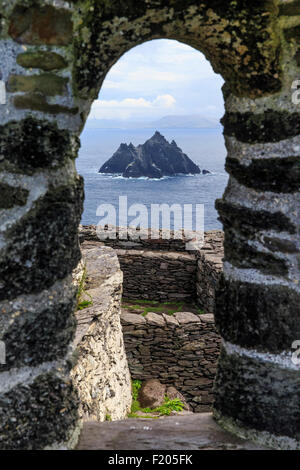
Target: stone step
x,y
187,432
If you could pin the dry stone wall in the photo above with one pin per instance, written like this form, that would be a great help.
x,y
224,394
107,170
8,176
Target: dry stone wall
x,y
101,375
161,276
163,269
180,350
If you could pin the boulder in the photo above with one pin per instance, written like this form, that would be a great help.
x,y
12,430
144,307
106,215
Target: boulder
x,y
152,394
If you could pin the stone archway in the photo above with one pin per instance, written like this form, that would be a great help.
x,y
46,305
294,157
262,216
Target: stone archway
x,y
55,55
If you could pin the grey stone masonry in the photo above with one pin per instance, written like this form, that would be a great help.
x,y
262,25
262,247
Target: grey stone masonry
x,y
162,269
101,375
180,350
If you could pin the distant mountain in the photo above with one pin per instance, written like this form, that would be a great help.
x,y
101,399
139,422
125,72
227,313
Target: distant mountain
x,y
154,159
193,121
187,122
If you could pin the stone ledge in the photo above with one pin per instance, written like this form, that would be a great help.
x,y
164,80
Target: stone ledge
x,y
190,432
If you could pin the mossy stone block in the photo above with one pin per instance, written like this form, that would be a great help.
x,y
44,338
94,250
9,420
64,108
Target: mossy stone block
x,y
48,84
42,60
38,102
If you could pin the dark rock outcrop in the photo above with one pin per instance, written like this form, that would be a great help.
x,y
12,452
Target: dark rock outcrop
x,y
154,159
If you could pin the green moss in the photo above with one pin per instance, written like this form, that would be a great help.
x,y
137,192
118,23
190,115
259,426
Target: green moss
x,y
42,60
46,83
83,303
38,102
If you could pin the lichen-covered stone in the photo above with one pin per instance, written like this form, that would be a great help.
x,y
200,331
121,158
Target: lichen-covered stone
x,y
246,56
41,25
241,254
270,126
279,175
32,144
264,317
36,330
293,34
11,196
38,414
43,247
45,83
38,102
290,8
42,60
258,395
249,221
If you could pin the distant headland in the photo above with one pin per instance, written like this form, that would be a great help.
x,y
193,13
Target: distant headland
x,y
154,159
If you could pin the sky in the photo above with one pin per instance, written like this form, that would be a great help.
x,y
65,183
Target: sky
x,y
158,78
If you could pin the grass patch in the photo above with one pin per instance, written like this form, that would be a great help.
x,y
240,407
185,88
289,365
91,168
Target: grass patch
x,y
163,410
81,304
84,304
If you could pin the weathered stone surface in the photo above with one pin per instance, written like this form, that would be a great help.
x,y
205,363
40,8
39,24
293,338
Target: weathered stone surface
x,y
257,316
41,25
10,196
152,394
42,60
27,265
280,175
101,375
38,414
37,102
241,254
269,400
249,221
216,29
270,126
191,432
32,144
45,83
35,330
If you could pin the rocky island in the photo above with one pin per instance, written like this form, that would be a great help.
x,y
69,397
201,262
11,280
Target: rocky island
x,y
154,159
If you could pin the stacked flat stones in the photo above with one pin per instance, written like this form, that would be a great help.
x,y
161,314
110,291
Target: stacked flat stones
x,y
162,269
44,104
180,350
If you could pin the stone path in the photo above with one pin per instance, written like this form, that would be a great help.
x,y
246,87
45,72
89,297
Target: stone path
x,y
188,432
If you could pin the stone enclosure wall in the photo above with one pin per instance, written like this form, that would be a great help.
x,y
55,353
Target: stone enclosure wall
x,y
54,58
180,350
163,269
100,374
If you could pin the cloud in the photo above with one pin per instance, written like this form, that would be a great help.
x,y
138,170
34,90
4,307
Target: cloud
x,y
156,69
130,107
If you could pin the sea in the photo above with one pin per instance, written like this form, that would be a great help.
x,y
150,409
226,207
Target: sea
x,y
204,146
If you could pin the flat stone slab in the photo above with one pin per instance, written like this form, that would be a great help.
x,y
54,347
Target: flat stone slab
x,y
189,432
